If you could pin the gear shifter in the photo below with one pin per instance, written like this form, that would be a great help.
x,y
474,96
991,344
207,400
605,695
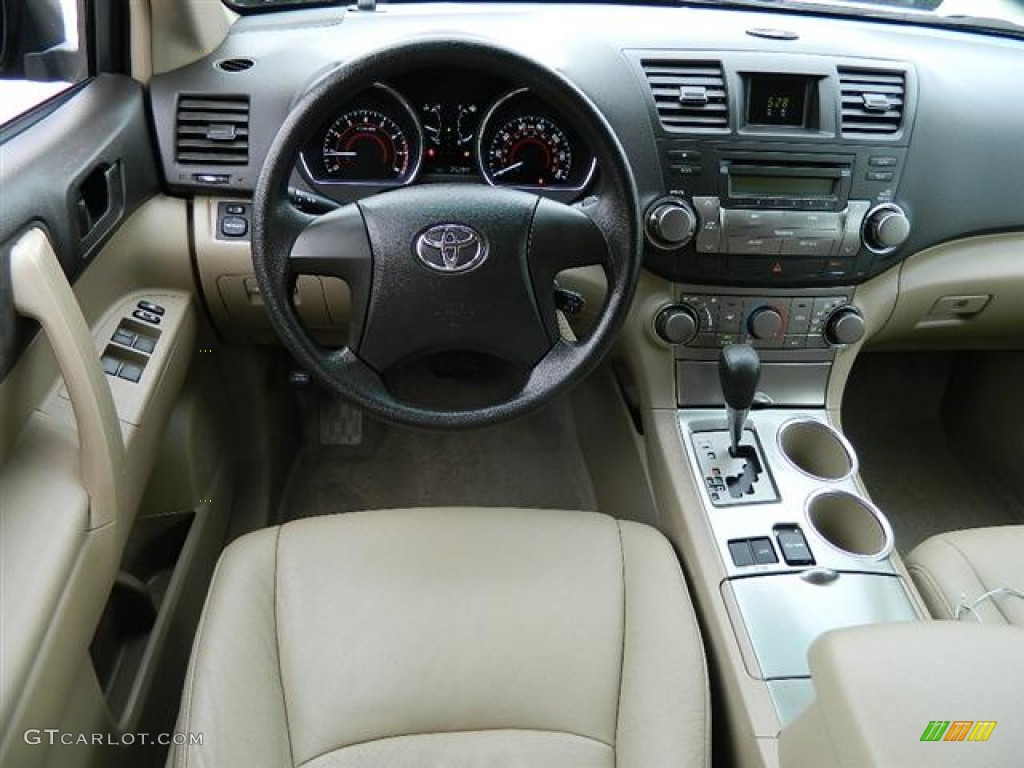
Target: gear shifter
x,y
739,369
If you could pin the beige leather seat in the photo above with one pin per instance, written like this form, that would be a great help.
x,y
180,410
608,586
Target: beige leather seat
x,y
958,568
448,637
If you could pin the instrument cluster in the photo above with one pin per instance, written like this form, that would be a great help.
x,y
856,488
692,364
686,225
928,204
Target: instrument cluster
x,y
448,125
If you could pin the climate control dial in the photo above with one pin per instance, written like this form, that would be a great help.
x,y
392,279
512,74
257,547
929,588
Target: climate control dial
x,y
845,326
765,323
676,324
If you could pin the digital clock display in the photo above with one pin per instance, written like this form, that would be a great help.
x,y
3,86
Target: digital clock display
x,y
777,100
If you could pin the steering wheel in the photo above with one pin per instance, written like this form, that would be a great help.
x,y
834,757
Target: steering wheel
x,y
447,267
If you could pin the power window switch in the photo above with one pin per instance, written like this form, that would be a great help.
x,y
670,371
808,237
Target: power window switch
x,y
111,365
130,372
123,337
764,551
742,555
142,344
794,547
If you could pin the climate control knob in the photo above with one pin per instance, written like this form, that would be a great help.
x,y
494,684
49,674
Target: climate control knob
x,y
886,228
845,326
670,223
765,323
676,324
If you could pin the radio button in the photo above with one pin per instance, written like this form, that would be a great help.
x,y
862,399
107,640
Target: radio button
x,y
882,162
808,246
754,219
687,170
755,246
828,222
685,155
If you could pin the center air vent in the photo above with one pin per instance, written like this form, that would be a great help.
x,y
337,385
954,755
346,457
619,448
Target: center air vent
x,y
873,101
212,130
689,94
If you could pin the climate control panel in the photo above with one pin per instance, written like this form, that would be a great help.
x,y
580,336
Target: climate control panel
x,y
711,321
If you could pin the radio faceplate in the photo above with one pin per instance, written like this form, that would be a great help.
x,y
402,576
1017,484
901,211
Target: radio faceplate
x,y
777,218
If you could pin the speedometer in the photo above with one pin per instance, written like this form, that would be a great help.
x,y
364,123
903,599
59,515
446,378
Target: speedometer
x,y
366,145
524,143
529,150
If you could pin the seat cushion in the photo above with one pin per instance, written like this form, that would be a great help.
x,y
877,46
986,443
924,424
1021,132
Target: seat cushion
x,y
454,637
959,567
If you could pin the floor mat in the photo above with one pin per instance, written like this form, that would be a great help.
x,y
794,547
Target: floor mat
x,y
925,480
532,462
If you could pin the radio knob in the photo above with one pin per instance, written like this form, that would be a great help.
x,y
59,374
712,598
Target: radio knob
x,y
671,223
845,326
886,228
765,323
676,324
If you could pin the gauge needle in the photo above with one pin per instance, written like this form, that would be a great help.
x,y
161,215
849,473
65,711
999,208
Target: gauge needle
x,y
340,154
509,169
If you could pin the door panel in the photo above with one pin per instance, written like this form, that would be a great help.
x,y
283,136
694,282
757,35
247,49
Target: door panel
x,y
84,236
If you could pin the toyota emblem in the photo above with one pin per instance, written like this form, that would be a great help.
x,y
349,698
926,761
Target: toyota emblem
x,y
451,248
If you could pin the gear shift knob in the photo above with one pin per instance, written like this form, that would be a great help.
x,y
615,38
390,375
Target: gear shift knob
x,y
739,369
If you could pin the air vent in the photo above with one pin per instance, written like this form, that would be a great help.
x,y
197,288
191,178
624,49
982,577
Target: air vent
x,y
689,94
873,101
213,130
235,65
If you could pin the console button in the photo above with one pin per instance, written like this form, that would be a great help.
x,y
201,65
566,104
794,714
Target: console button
x,y
808,246
730,316
144,345
685,155
130,372
880,161
764,552
825,222
149,306
111,365
761,246
800,315
794,342
794,546
687,170
146,317
234,209
805,267
754,219
880,175
838,267
234,226
742,555
123,337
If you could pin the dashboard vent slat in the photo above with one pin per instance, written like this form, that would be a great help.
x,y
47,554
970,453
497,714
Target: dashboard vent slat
x,y
212,130
688,94
873,101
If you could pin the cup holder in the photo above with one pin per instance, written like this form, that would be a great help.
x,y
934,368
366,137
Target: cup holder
x,y
817,450
850,524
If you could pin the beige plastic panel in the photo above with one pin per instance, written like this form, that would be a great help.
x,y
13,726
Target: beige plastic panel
x,y
964,294
232,294
41,291
878,688
58,566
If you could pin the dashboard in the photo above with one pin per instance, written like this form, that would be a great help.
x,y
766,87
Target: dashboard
x,y
447,124
770,151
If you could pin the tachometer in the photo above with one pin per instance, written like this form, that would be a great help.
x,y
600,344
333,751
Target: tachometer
x,y
528,150
366,145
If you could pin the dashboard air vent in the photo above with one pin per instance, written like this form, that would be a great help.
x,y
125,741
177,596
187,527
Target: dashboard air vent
x,y
235,65
689,94
212,130
873,101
